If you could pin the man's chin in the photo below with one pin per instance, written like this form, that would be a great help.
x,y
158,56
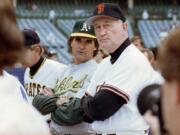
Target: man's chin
x,y
105,46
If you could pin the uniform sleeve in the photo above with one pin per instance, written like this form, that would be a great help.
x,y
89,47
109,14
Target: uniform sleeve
x,y
101,106
69,113
45,104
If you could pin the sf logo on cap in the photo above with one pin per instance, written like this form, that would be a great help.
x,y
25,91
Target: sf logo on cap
x,y
85,27
100,8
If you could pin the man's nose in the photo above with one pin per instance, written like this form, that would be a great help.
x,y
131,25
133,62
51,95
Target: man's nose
x,y
102,31
82,46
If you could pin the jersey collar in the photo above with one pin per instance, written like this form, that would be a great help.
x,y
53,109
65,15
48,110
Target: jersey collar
x,y
35,68
115,55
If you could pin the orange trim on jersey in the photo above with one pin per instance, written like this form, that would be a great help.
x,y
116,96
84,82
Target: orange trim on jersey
x,y
116,88
116,91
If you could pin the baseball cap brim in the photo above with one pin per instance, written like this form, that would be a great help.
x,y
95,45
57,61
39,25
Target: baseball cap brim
x,y
90,20
82,35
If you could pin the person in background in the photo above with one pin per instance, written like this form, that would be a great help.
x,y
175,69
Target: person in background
x,y
52,54
52,16
40,72
169,65
102,53
149,54
16,115
137,41
149,105
11,46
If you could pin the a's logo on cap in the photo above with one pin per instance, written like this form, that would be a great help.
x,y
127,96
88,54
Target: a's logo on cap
x,y
85,27
100,8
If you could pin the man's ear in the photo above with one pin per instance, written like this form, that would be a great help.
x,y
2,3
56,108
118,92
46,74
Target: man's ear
x,y
125,26
39,49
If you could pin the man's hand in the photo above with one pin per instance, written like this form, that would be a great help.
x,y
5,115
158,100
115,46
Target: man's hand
x,y
47,91
61,100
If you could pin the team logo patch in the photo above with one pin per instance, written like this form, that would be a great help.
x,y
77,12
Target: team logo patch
x,y
85,27
100,8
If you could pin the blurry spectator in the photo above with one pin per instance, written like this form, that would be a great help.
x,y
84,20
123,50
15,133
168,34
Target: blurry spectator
x,y
149,54
52,54
34,7
16,116
149,105
169,63
163,34
137,41
19,118
174,16
51,39
31,6
145,15
169,13
102,53
52,16
11,48
174,20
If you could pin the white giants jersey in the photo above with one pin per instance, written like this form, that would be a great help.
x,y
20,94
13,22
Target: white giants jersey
x,y
126,77
46,76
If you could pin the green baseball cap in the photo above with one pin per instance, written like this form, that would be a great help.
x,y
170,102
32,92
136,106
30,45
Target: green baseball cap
x,y
81,29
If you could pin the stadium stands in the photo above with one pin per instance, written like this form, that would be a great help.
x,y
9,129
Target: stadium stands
x,y
63,8
153,10
151,30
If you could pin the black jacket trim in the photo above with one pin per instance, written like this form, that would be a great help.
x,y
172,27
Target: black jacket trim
x,y
115,55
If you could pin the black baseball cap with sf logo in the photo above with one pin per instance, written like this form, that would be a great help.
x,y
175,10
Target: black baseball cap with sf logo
x,y
106,10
